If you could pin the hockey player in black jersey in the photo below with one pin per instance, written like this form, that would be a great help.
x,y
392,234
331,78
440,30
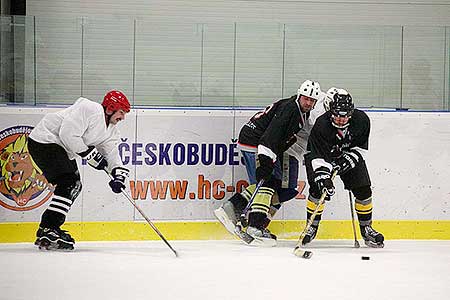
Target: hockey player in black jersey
x,y
339,140
262,141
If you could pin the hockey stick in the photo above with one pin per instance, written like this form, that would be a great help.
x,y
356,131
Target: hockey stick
x,y
297,250
356,244
243,218
242,222
145,217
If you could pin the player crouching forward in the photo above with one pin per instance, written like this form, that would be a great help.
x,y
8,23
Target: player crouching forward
x,y
339,140
86,129
263,141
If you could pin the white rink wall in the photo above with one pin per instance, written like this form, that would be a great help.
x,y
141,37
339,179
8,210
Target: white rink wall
x,y
409,164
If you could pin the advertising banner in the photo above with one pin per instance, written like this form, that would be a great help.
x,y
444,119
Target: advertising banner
x,y
184,163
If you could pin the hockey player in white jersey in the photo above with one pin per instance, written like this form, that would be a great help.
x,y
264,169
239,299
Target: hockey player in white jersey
x,y
85,129
265,138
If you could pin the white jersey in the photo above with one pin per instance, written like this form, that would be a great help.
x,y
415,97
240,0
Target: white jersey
x,y
299,147
77,127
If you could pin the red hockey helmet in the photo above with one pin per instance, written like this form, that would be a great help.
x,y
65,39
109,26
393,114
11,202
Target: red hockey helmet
x,y
115,100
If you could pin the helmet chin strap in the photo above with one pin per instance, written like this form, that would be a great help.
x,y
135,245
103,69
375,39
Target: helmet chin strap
x,y
107,117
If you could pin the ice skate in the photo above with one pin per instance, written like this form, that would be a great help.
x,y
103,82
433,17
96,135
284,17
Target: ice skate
x,y
372,238
54,239
39,234
261,237
310,235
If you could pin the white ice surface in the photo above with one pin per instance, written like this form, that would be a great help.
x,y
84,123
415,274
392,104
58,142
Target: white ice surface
x,y
412,270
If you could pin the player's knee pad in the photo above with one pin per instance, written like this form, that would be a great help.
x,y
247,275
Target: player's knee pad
x,y
362,193
68,186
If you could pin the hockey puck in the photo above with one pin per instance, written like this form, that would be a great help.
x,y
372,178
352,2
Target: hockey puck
x,y
365,257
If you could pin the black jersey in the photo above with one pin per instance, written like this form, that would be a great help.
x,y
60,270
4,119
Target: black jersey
x,y
327,142
275,127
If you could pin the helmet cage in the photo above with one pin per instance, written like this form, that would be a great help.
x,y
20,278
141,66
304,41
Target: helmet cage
x,y
341,106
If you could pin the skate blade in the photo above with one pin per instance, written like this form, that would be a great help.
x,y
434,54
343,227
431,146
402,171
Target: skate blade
x,y
54,248
45,245
253,241
242,235
373,245
224,220
260,242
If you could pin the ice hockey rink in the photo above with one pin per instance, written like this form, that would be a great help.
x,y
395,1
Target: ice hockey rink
x,y
226,270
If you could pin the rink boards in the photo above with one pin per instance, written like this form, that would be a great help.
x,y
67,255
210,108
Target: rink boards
x,y
185,163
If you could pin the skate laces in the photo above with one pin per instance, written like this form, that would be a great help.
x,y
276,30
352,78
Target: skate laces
x,y
267,232
64,234
259,232
370,231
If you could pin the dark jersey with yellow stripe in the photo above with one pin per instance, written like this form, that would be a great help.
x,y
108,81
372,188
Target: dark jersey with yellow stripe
x,y
275,127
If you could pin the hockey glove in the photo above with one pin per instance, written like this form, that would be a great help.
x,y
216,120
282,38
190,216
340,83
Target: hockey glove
x,y
94,158
322,177
119,175
347,161
265,168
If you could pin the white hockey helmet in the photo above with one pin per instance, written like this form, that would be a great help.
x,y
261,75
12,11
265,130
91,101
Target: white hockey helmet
x,y
329,97
309,89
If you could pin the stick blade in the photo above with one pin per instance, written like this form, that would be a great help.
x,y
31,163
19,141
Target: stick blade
x,y
302,253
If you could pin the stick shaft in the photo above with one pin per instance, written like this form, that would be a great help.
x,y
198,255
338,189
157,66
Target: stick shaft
x,y
353,219
149,222
146,218
258,186
311,219
313,216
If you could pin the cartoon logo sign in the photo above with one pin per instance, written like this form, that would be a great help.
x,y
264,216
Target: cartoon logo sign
x,y
22,185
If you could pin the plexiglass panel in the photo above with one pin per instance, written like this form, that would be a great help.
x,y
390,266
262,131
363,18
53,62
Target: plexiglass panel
x,y
168,63
363,60
218,65
164,62
58,60
259,61
108,47
17,66
424,66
